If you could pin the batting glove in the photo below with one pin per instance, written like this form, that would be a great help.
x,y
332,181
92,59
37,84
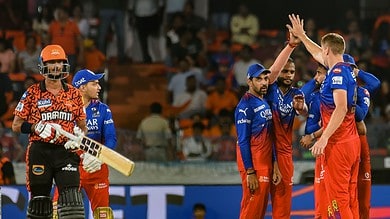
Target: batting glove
x,y
90,163
47,130
74,144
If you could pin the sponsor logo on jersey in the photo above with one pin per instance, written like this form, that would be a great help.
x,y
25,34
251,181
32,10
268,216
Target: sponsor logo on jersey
x,y
100,185
263,179
366,101
243,111
266,114
92,125
19,107
366,92
337,80
110,121
242,121
44,103
69,168
257,109
56,115
337,70
79,82
38,169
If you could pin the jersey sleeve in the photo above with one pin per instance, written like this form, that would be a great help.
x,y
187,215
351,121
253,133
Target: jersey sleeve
x,y
23,108
338,77
109,131
362,104
308,88
243,117
371,82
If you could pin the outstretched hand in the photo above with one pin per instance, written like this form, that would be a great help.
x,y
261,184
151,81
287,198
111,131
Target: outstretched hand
x,y
296,27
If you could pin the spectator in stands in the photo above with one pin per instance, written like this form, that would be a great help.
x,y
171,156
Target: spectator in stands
x,y
224,137
80,20
112,11
194,94
193,21
65,32
28,59
199,211
220,14
223,55
196,147
7,57
245,59
244,26
224,70
155,135
220,98
95,60
381,46
171,34
148,17
41,23
357,42
7,174
177,83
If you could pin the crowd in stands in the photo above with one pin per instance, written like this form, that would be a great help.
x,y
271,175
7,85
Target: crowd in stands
x,y
206,58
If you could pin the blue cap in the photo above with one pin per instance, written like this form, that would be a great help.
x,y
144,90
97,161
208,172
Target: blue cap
x,y
84,76
348,58
255,70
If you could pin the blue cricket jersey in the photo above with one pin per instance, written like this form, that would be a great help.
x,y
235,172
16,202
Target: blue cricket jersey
x,y
100,124
253,118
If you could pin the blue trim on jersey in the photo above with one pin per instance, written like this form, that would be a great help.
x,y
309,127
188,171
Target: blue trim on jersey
x,y
100,124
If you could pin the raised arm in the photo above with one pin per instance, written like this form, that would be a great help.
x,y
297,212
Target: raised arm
x,y
282,58
296,28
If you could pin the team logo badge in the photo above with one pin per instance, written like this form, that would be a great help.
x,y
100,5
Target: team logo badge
x,y
38,169
337,70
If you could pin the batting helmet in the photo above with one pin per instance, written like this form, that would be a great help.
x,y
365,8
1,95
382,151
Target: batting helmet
x,y
54,53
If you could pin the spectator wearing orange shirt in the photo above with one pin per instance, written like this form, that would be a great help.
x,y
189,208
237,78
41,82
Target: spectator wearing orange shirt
x,y
95,60
65,32
220,98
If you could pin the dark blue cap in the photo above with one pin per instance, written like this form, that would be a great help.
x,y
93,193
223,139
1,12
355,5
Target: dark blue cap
x,y
348,58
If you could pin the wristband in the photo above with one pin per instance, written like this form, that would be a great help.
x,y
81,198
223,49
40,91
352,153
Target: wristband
x,y
26,128
312,136
291,45
251,173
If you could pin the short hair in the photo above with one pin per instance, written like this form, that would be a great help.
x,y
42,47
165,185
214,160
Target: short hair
x,y
199,206
155,108
335,42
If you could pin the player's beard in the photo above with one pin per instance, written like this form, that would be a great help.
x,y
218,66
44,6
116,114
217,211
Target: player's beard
x,y
261,91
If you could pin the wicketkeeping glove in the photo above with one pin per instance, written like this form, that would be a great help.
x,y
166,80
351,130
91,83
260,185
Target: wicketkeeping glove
x,y
47,130
90,163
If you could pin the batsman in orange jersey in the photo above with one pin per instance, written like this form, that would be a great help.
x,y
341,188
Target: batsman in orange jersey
x,y
44,106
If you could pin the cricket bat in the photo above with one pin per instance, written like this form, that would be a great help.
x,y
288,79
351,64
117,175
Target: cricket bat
x,y
102,152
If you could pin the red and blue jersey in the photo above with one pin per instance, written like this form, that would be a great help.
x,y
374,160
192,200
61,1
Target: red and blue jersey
x,y
253,118
101,128
312,100
371,85
283,115
100,124
341,76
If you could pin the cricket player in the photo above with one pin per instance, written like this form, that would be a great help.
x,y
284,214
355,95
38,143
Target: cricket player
x,y
94,174
370,85
253,118
339,141
286,102
45,105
